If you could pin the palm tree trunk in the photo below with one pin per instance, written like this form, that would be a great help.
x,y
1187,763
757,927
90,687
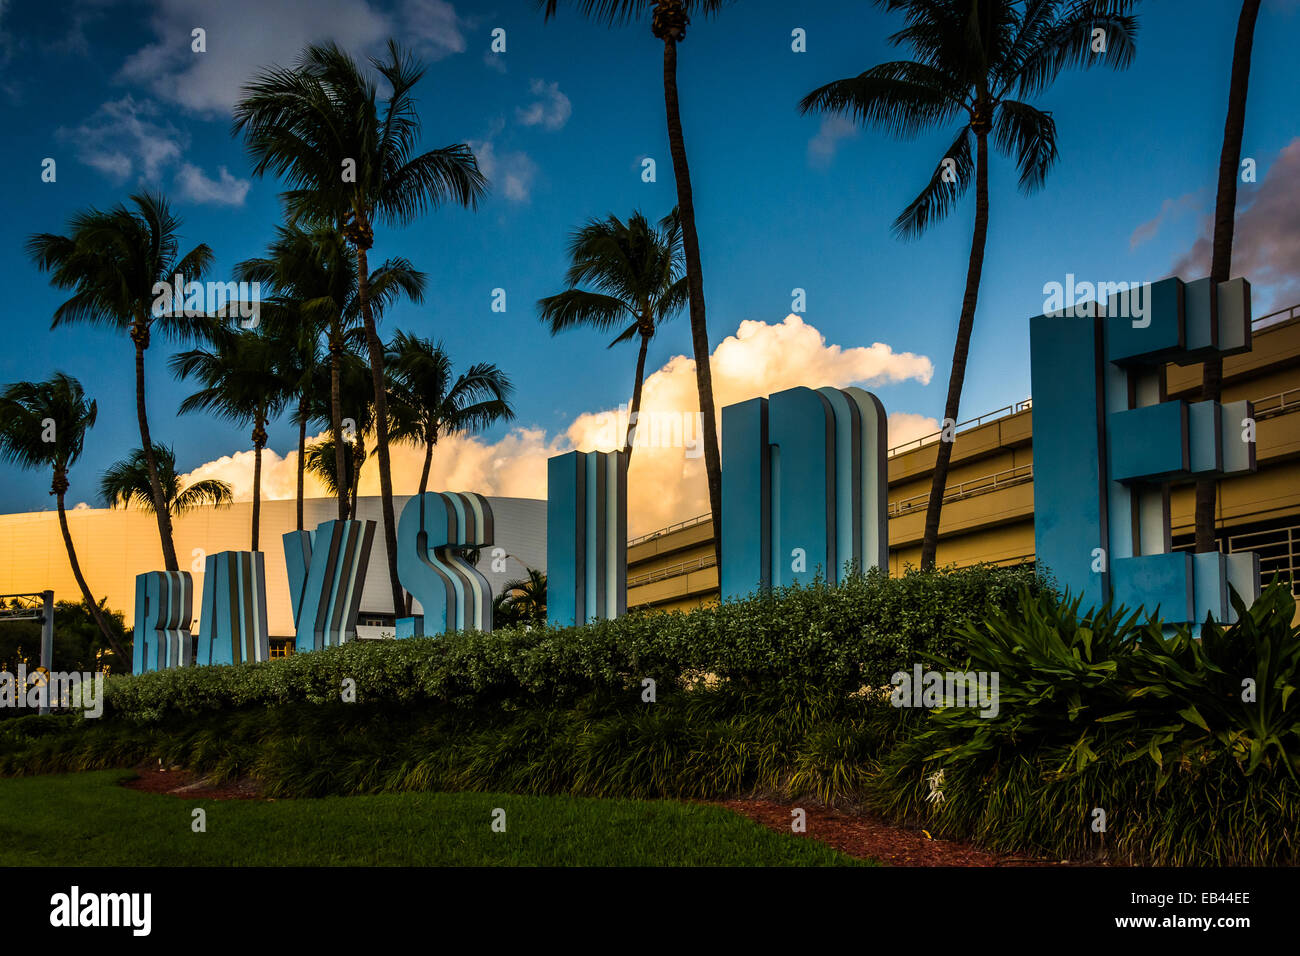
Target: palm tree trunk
x,y
257,488
634,412
336,427
961,351
302,452
160,509
1225,212
695,285
91,604
358,456
376,348
424,473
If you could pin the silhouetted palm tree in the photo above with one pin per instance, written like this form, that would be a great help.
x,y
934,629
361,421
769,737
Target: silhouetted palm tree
x,y
668,22
635,274
117,263
44,425
1225,215
357,403
312,278
429,403
521,601
241,382
127,482
350,165
980,61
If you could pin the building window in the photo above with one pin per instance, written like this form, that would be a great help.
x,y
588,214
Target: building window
x,y
281,647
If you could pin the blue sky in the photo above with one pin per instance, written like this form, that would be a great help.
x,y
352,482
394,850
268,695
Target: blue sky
x,y
561,122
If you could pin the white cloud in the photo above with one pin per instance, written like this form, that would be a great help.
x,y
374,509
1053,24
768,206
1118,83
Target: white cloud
x,y
196,186
665,484
1169,209
551,110
243,37
126,137
432,27
1266,236
822,147
511,173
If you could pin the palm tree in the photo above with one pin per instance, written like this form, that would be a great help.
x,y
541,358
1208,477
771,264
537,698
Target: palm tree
x,y
241,382
428,403
636,274
116,262
44,425
668,22
357,403
127,482
312,278
971,58
1225,213
522,601
351,165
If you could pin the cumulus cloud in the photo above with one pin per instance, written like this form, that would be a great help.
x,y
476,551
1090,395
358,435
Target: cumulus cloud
x,y
666,484
128,138
833,130
551,110
511,173
197,186
244,36
1266,238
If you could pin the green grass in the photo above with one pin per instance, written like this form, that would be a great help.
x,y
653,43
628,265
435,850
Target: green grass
x,y
89,819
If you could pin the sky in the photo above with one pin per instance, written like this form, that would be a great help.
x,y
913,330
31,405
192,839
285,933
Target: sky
x,y
562,123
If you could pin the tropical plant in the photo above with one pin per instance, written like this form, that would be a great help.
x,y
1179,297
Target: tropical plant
x,y
521,601
312,278
44,425
127,482
1225,214
240,382
635,274
981,62
427,402
349,165
668,22
356,400
115,262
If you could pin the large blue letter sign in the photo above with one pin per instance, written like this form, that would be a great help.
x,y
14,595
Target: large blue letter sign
x,y
232,616
164,609
804,487
327,570
433,533
1107,445
586,536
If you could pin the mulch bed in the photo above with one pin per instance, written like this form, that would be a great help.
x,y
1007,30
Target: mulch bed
x,y
866,836
190,786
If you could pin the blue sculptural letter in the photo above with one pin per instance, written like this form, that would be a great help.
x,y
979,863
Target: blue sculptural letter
x,y
327,571
432,535
804,488
232,615
1107,445
164,608
586,536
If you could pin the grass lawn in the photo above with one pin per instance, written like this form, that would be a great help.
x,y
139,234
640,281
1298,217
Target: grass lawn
x,y
88,819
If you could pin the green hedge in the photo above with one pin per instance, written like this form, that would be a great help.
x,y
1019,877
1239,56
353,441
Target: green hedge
x,y
839,639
